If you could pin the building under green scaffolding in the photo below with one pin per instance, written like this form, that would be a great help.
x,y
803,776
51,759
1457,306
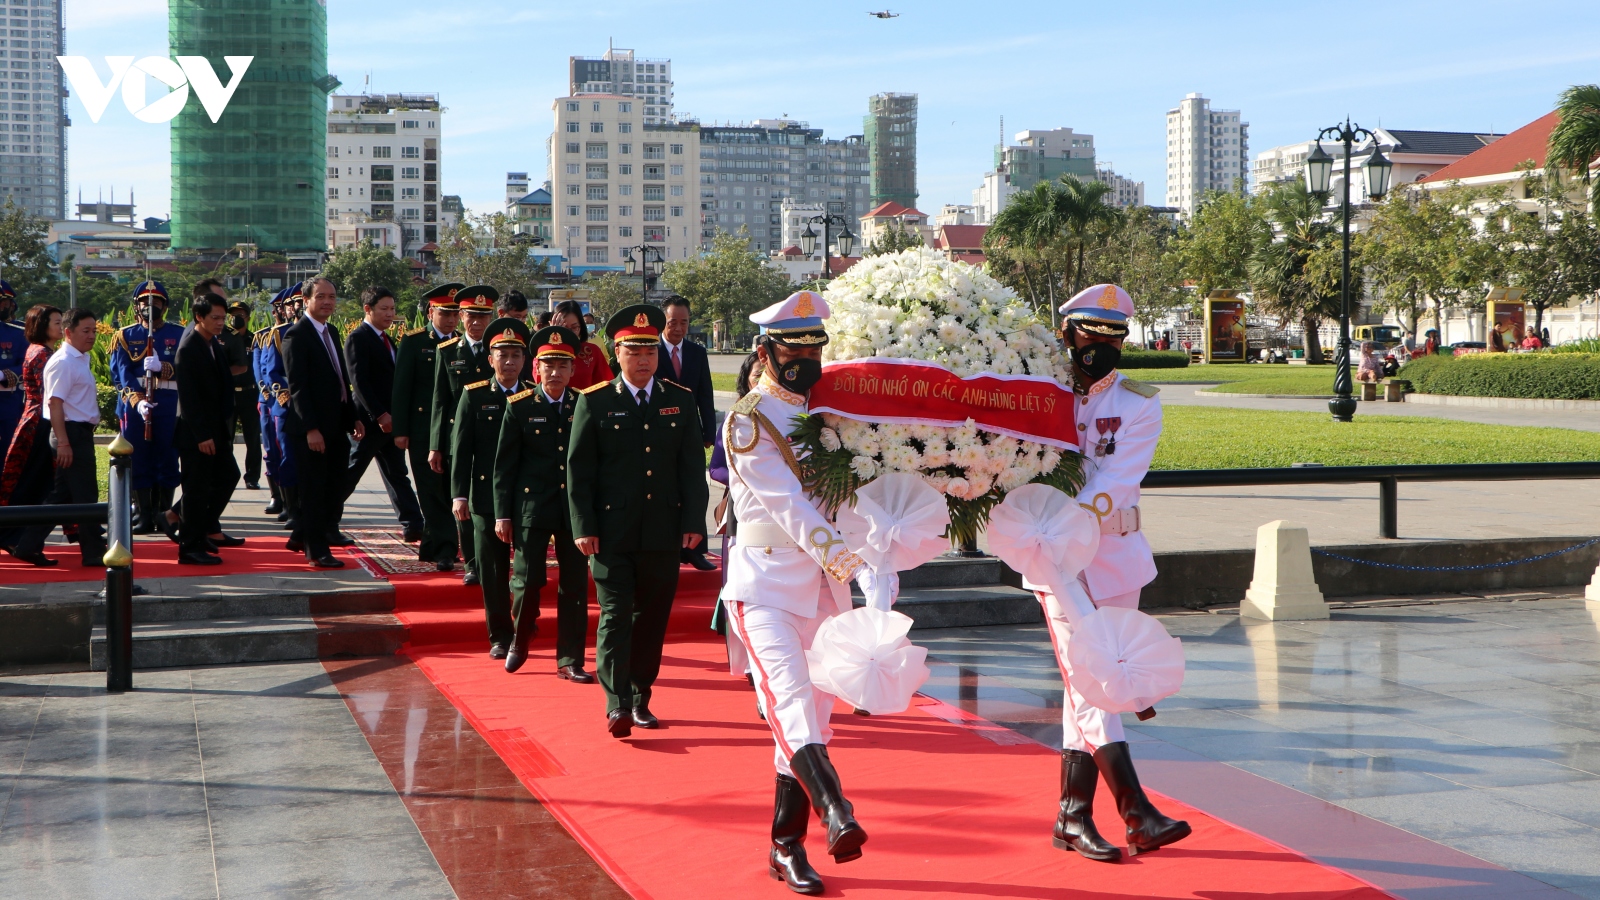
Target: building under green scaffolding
x,y
256,175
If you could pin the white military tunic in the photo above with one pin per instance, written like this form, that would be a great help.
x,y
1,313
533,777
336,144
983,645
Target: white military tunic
x,y
1126,415
788,572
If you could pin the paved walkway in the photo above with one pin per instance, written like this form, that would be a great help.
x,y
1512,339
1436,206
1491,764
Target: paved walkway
x,y
1191,394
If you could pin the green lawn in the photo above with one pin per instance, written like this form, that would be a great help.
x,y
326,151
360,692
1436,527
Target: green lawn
x,y
723,381
1206,438
1246,379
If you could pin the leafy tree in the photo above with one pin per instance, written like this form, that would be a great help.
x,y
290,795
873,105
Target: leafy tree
x,y
893,240
1554,252
609,293
1423,246
24,263
728,283
1575,141
1138,254
1296,276
1085,218
483,250
1222,237
1025,249
364,265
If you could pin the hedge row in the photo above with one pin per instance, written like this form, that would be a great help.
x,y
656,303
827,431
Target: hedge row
x,y
1533,376
1153,359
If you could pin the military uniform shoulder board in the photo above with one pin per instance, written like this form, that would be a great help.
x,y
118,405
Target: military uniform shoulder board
x,y
673,383
444,344
595,387
413,331
746,404
476,384
1141,388
520,395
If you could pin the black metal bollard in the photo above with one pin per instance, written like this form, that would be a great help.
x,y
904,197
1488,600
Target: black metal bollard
x,y
1389,507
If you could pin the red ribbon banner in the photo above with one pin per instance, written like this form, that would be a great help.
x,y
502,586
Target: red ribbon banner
x,y
914,392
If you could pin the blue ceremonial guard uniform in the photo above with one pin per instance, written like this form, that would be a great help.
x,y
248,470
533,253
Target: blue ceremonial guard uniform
x,y
13,347
273,377
155,462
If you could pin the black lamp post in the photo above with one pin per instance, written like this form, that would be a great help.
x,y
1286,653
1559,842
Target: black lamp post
x,y
808,240
1319,172
647,262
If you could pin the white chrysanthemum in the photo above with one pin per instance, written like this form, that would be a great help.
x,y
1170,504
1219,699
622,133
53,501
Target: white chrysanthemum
x,y
865,467
830,440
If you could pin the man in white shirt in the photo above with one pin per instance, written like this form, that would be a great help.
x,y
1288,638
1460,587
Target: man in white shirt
x,y
73,411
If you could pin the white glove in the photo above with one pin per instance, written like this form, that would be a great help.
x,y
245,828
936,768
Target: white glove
x,y
881,590
152,364
144,407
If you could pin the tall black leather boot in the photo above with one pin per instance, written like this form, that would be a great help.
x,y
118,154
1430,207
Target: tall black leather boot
x,y
815,771
275,505
147,512
787,861
1148,829
1075,824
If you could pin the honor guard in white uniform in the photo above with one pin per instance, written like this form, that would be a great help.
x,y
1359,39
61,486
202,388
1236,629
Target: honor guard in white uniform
x,y
788,573
1119,424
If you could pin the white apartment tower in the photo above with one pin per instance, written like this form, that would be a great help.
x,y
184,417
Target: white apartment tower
x,y
33,155
383,166
1207,150
620,72
617,182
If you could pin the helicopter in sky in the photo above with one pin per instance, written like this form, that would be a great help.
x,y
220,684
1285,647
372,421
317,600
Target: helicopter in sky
x,y
885,14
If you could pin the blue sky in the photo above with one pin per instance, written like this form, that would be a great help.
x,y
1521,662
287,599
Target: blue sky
x,y
1109,69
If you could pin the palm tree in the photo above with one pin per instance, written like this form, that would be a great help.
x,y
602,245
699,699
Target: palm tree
x,y
1575,141
1032,225
1084,215
1296,276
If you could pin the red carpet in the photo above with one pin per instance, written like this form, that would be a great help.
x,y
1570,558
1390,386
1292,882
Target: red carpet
x,y
159,559
684,812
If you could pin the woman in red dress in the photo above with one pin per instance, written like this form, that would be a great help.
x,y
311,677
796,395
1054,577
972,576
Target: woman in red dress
x,y
29,465
590,367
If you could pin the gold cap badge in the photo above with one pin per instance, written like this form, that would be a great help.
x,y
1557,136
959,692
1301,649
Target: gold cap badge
x,y
555,339
1108,299
803,308
641,321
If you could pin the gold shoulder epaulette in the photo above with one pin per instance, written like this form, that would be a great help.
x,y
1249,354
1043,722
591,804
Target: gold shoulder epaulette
x,y
519,395
746,404
595,387
476,384
674,384
444,344
1141,388
417,330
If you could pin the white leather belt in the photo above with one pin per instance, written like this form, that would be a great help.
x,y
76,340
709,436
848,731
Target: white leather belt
x,y
1120,521
764,534
166,385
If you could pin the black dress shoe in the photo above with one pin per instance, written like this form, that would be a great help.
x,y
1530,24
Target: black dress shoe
x,y
326,561
470,578
36,559
253,485
697,558
196,558
515,657
445,565
167,527
284,518
274,508
643,718
574,674
619,723
498,650
412,536
226,540
340,539
294,546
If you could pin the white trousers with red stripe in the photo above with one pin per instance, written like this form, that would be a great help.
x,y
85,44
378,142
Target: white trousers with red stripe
x,y
796,711
1083,727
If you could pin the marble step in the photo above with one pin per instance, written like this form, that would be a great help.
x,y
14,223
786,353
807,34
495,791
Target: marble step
x,y
247,639
254,596
955,572
966,606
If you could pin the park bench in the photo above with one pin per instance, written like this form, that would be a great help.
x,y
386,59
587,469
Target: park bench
x,y
1395,389
1369,390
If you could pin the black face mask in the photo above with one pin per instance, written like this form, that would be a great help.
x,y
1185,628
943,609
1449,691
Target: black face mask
x,y
798,375
237,321
155,314
1097,360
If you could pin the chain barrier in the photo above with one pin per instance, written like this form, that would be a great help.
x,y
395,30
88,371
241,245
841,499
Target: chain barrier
x,y
1477,568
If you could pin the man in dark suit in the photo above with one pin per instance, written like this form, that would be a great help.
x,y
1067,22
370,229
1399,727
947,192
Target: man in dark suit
x,y
637,493
204,434
324,417
369,353
683,362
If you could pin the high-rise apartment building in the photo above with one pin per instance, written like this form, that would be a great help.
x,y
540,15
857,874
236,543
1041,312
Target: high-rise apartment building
x,y
33,157
255,175
618,182
383,163
746,172
620,72
1046,156
1125,192
891,134
1207,150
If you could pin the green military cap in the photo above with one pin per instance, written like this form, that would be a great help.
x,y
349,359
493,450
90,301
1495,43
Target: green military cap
x,y
238,306
443,296
479,298
506,330
555,341
637,324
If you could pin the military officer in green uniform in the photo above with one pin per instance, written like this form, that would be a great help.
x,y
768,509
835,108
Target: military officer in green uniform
x,y
473,441
411,409
637,492
458,362
530,490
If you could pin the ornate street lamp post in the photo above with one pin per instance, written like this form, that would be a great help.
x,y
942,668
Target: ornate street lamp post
x,y
808,240
1319,172
647,262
